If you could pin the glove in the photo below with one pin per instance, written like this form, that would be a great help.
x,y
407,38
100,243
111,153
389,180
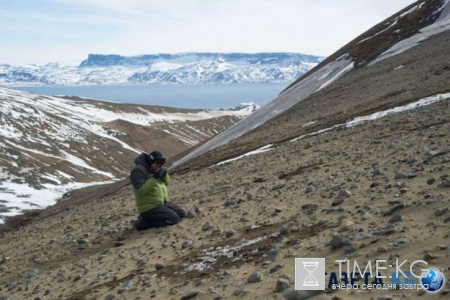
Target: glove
x,y
160,173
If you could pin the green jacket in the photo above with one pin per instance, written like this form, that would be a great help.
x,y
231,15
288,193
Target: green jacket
x,y
152,193
148,191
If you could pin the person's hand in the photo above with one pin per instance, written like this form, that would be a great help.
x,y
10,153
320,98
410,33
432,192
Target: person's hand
x,y
160,173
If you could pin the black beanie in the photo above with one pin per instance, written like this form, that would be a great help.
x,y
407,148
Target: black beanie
x,y
155,156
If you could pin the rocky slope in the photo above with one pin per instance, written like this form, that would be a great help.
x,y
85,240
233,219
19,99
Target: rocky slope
x,y
186,68
51,145
382,187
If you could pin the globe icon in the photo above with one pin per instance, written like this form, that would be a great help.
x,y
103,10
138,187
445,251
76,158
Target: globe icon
x,y
433,279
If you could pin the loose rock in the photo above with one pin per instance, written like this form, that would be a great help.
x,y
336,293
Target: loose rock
x,y
337,242
396,218
300,295
190,295
255,277
282,284
207,226
229,233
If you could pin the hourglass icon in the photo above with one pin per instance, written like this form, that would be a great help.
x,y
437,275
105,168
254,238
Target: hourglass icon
x,y
310,280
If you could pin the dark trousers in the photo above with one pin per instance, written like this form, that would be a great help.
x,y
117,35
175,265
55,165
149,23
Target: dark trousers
x,y
160,216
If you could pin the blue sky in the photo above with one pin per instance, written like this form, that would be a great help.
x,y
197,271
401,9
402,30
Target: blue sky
x,y
66,31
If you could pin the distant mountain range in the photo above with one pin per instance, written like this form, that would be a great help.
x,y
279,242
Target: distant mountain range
x,y
183,68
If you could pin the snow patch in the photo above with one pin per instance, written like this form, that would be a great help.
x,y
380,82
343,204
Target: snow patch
x,y
335,77
22,197
257,151
380,114
440,25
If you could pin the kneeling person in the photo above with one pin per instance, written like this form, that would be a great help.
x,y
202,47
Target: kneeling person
x,y
150,181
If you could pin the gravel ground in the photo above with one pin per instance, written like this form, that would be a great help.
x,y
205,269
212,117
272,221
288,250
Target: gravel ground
x,y
379,190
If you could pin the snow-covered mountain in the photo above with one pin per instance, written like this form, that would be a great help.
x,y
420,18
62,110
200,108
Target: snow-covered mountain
x,y
187,68
51,145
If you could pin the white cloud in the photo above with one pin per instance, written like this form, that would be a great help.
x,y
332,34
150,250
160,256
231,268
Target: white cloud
x,y
134,27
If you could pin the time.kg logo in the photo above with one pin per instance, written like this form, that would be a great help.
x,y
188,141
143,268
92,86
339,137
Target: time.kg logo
x,y
310,273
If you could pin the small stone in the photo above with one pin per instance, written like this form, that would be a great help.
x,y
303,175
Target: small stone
x,y
344,194
186,244
365,216
445,183
31,274
309,189
231,202
240,292
447,220
191,214
207,226
337,201
346,225
119,243
300,295
109,297
203,201
385,298
349,249
443,247
309,206
286,228
420,292
396,218
399,176
390,229
382,249
255,277
337,242
272,255
441,211
125,287
160,265
354,186
375,184
82,241
274,269
390,210
230,233
431,181
322,222
282,284
78,277
429,256
190,295
279,209
429,201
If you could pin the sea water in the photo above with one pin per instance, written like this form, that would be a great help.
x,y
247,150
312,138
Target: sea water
x,y
206,96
